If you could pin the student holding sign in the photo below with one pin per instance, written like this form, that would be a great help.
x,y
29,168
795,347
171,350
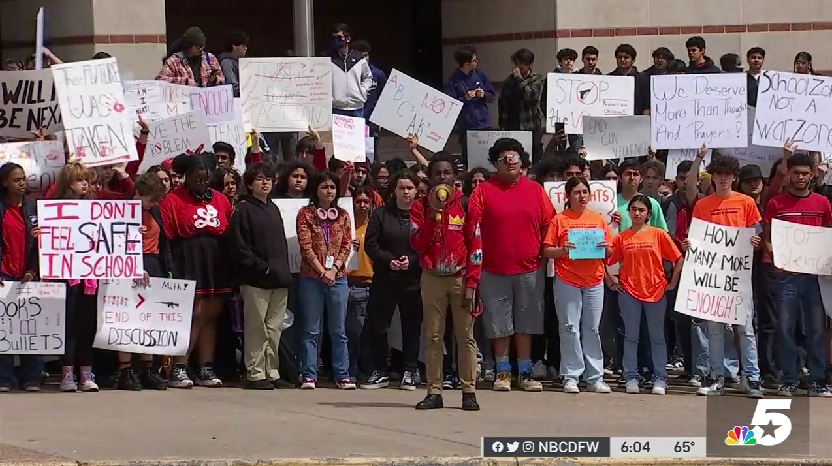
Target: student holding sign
x,y
18,262
579,287
797,295
641,287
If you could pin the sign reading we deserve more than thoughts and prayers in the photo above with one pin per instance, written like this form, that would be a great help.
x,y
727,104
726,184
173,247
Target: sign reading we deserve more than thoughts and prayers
x,y
716,277
97,122
92,239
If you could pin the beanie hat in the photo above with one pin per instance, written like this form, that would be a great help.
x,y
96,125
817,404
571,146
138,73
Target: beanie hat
x,y
194,36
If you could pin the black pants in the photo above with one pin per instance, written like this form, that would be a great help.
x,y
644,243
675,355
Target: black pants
x,y
684,333
612,340
81,316
382,304
537,145
546,347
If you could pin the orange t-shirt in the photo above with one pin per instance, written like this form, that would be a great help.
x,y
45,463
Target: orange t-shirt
x,y
150,238
736,210
641,254
580,273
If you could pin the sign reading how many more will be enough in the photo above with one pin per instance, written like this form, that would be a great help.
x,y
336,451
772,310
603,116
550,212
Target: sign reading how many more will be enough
x,y
616,137
41,161
97,122
29,103
688,110
716,278
479,142
32,318
286,94
408,106
794,106
801,248
148,320
181,134
92,239
571,97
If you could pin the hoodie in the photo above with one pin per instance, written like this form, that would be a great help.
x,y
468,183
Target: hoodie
x,y
379,80
351,80
585,71
707,67
753,86
642,101
474,114
259,244
388,238
230,66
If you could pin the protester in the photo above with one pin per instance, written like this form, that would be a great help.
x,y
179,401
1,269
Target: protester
x,y
755,58
625,56
163,175
359,281
188,64
379,80
228,182
236,47
699,62
519,106
662,57
225,154
352,78
589,57
293,180
473,88
803,63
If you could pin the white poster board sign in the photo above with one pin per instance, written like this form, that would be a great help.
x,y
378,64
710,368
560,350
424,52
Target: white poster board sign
x,y
97,122
570,97
602,195
289,209
41,161
92,239
182,134
677,156
29,102
157,100
688,110
716,278
407,106
609,138
801,248
348,138
32,318
286,94
234,133
480,141
155,319
216,103
760,155
793,106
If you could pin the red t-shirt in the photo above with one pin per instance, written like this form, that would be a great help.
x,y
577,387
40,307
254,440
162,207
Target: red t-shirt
x,y
13,263
184,216
813,210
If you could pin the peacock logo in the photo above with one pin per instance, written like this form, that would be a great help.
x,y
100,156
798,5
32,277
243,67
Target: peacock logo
x,y
740,436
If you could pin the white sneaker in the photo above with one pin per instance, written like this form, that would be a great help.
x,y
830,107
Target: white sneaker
x,y
599,387
659,388
307,385
571,386
345,384
712,389
5,388
539,371
88,383
68,383
632,387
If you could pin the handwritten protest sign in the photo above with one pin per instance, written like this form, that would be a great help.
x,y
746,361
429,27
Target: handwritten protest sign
x,y
32,318
176,135
216,103
157,100
688,110
795,106
716,278
90,239
586,243
149,320
29,103
601,197
480,141
99,130
801,248
677,156
616,137
289,209
286,94
407,106
760,155
570,97
41,161
348,138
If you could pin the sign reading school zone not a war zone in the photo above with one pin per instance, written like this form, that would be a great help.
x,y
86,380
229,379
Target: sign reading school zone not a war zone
x,y
408,106
29,103
97,123
479,142
716,277
32,318
286,94
149,320
570,97
92,239
801,248
41,161
289,209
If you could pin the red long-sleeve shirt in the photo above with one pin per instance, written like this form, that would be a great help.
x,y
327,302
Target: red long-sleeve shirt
x,y
185,216
449,246
512,220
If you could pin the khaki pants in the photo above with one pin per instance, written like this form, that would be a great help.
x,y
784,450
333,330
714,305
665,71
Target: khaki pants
x,y
437,293
263,313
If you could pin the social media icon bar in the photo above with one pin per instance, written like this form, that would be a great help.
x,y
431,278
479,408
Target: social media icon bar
x,y
538,447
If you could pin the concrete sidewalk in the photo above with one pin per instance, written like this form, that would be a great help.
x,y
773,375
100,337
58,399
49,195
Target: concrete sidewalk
x,y
233,424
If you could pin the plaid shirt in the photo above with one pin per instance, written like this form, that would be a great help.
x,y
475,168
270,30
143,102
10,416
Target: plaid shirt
x,y
177,70
519,103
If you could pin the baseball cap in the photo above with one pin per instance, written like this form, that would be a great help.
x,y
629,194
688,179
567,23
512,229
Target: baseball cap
x,y
750,172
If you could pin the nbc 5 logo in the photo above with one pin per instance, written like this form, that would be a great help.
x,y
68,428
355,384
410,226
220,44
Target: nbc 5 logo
x,y
770,427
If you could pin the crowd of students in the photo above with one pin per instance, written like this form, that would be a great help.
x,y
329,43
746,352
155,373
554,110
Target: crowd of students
x,y
458,254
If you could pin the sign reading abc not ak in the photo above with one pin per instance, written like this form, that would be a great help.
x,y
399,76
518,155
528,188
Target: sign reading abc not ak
x,y
150,320
407,106
93,239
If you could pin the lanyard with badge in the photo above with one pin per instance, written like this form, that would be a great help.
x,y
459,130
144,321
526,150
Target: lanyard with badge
x,y
326,217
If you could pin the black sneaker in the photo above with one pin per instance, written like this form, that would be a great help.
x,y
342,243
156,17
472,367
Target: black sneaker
x,y
448,382
258,385
755,389
152,379
207,378
282,384
377,380
179,377
787,390
430,402
469,402
128,380
408,381
819,388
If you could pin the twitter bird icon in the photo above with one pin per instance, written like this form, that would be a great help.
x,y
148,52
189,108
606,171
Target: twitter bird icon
x,y
513,446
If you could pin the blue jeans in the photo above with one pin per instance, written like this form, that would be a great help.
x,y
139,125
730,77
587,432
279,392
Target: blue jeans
x,y
631,315
794,290
357,339
701,359
352,113
314,295
717,350
579,319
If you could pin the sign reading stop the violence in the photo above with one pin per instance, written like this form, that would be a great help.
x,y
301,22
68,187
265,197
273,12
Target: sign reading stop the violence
x,y
92,239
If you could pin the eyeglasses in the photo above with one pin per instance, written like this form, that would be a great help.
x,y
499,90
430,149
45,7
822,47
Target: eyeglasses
x,y
510,159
